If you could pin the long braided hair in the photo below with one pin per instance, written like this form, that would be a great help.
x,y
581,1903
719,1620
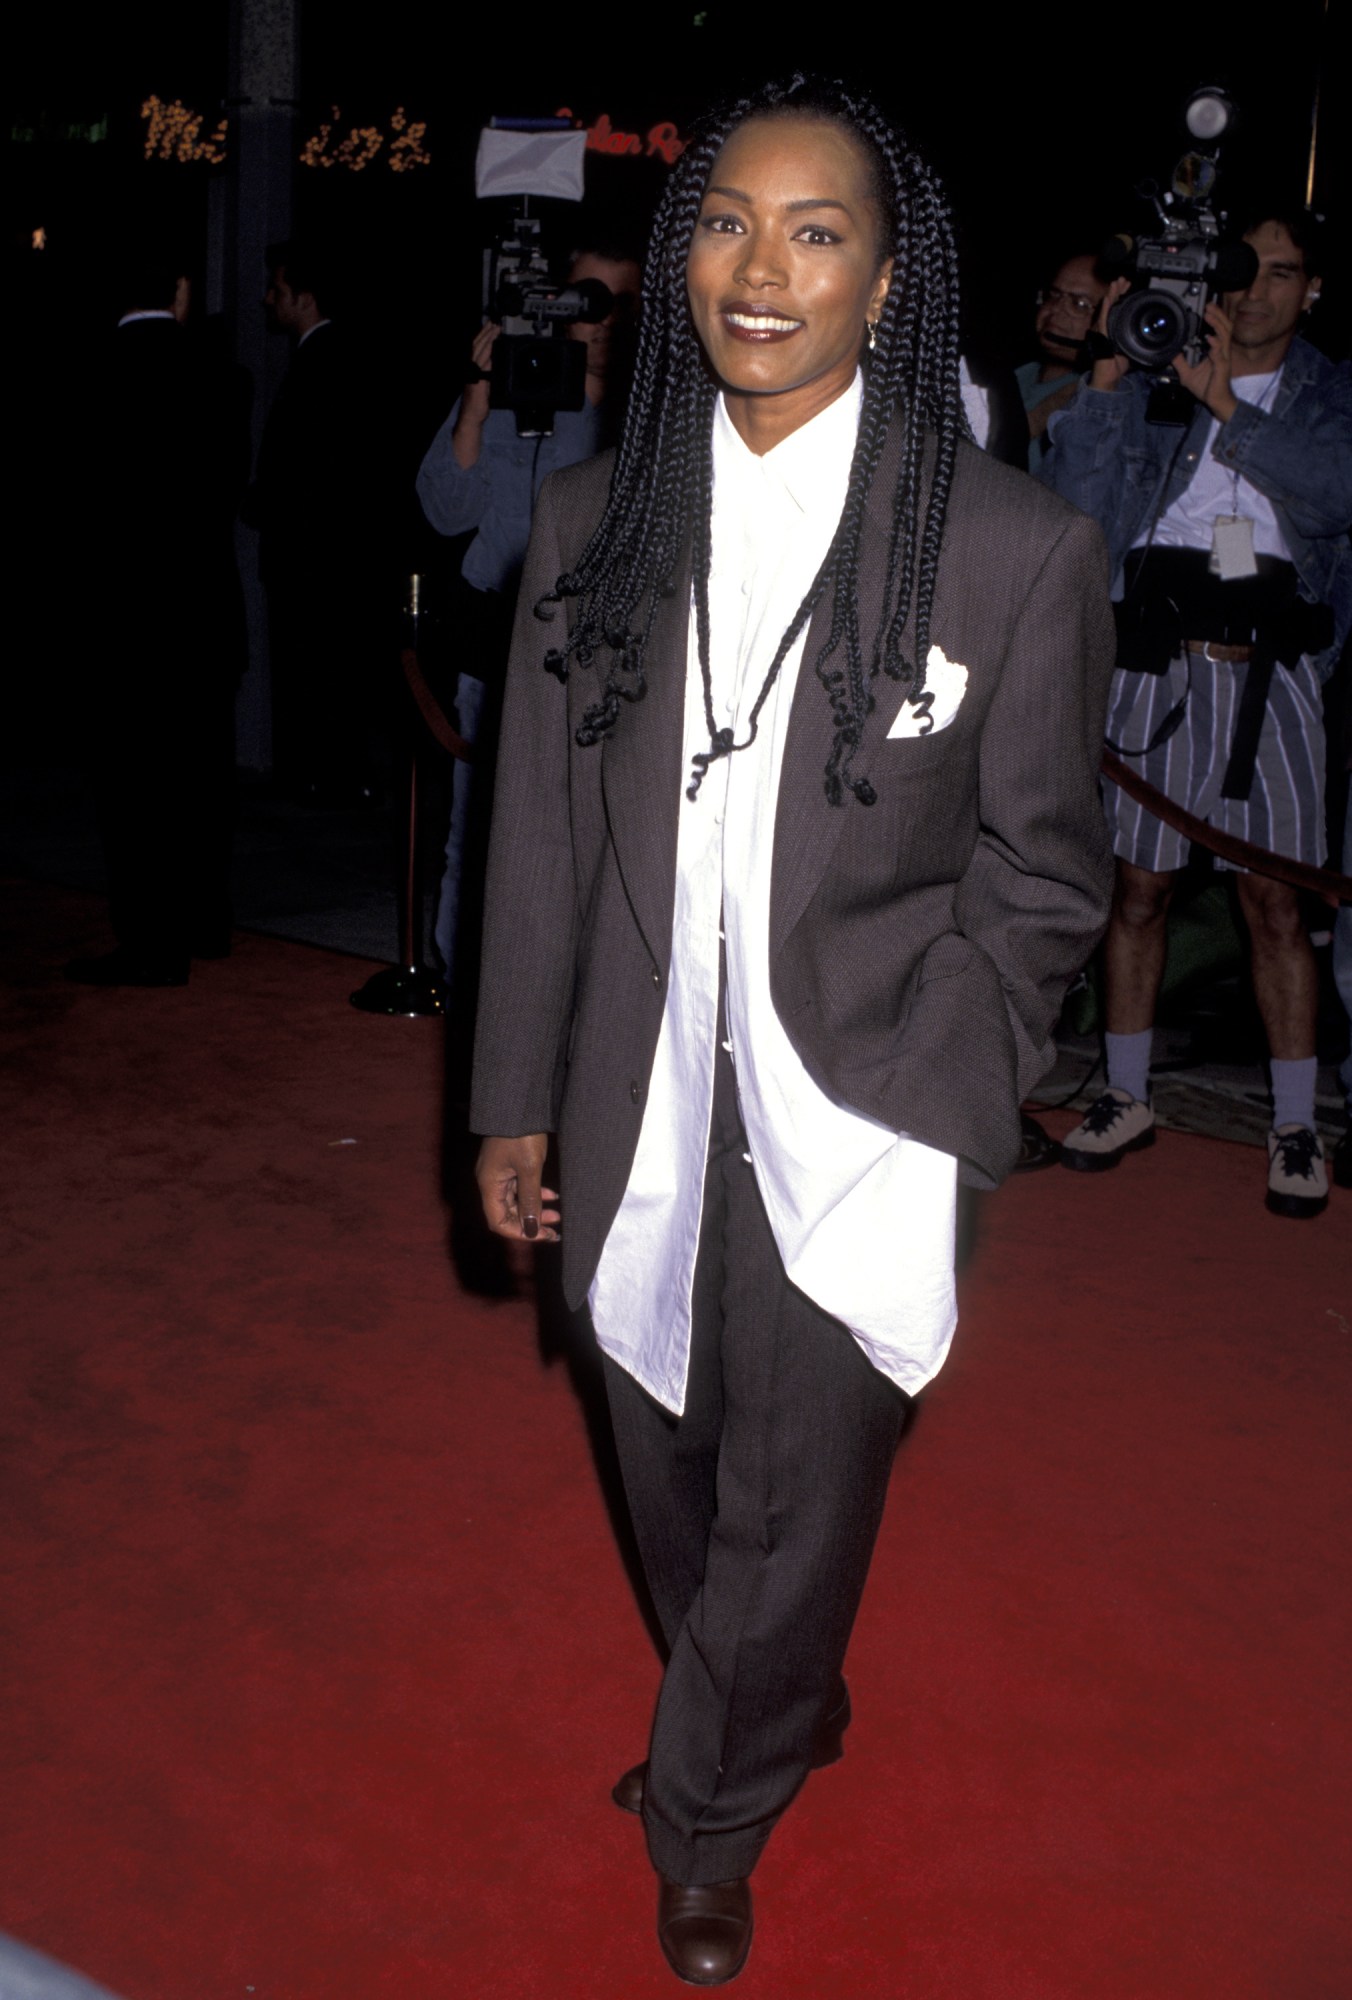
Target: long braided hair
x,y
661,495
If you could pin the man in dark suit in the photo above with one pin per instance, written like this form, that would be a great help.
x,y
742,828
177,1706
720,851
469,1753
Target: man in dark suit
x,y
321,503
159,634
774,1014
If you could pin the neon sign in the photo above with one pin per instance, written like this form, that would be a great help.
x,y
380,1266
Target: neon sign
x,y
662,140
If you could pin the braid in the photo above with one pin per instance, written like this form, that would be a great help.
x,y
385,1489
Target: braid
x,y
911,382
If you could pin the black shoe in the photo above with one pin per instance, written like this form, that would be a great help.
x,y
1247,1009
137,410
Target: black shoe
x,y
704,1930
1037,1148
1340,1166
121,967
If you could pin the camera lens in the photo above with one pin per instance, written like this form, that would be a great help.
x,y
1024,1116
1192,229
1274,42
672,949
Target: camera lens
x,y
1153,328
1149,327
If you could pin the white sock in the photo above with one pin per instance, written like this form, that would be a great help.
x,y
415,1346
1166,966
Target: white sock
x,y
1129,1063
1293,1092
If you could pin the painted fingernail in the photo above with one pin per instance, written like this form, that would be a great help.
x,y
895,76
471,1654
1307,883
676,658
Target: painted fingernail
x,y
530,1228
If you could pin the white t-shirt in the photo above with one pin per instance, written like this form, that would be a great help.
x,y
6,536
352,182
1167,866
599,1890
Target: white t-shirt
x,y
1218,489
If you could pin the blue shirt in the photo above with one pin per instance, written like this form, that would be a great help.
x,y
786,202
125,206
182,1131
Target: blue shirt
x,y
497,494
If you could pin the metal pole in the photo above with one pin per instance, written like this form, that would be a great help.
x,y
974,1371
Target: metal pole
x,y
410,987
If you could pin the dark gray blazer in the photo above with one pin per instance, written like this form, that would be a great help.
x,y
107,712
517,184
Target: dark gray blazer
x,y
920,948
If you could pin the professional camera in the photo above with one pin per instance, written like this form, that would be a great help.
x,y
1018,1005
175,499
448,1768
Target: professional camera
x,y
537,369
1177,273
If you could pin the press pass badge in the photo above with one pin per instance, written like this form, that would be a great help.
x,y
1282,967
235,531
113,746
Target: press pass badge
x,y
1232,548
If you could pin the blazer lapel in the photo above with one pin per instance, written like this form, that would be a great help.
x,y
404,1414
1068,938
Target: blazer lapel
x,y
641,775
806,826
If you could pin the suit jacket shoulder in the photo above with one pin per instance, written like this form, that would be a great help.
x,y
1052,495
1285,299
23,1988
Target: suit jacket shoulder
x,y
575,497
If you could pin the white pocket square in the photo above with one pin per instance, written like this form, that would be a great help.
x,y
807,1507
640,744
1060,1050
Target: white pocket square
x,y
938,702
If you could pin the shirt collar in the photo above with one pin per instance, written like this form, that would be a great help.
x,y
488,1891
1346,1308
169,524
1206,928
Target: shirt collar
x,y
812,465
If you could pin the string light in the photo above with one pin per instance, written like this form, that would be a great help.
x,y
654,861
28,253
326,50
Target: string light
x,y
173,133
364,143
408,150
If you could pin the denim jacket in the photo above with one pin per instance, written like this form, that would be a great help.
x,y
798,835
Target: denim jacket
x,y
1108,461
497,495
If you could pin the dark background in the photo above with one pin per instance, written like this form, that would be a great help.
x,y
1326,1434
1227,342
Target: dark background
x,y
1040,143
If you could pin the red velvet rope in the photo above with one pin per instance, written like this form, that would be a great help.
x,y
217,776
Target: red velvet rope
x,y
431,710
1324,882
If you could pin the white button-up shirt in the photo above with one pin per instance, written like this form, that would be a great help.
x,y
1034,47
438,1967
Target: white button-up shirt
x,y
863,1217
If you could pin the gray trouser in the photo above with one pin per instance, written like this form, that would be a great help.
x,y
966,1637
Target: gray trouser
x,y
756,1513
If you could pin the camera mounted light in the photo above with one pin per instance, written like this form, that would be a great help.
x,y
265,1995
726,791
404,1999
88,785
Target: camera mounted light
x,y
1195,177
1209,113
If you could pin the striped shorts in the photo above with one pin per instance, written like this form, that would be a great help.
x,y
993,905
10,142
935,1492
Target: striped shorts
x,y
1284,811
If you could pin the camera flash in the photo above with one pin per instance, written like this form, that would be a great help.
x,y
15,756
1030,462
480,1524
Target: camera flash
x,y
1208,113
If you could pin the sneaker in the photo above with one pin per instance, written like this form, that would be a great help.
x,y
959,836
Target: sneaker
x,y
1114,1124
1297,1182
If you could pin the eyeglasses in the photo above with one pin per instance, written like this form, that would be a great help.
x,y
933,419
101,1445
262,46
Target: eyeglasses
x,y
1075,303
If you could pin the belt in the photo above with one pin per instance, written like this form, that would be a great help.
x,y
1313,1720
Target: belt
x,y
1219,655
1259,665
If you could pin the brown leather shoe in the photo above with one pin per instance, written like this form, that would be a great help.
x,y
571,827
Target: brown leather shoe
x,y
704,1932
828,1747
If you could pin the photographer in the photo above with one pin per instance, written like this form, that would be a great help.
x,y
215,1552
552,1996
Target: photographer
x,y
1225,534
480,475
1065,311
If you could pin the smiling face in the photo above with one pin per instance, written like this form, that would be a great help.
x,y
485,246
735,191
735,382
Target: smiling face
x,y
1267,314
1067,310
785,271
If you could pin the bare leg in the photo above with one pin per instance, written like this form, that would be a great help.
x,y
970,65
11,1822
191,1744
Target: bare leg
x,y
1285,977
1135,946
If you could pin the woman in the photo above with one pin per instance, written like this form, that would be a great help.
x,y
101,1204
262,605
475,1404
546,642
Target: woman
x,y
796,845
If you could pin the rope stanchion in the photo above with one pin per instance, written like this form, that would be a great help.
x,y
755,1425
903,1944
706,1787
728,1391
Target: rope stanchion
x,y
411,987
1326,883
432,712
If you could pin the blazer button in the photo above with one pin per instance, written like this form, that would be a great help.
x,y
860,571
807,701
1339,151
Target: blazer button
x,y
636,1092
657,977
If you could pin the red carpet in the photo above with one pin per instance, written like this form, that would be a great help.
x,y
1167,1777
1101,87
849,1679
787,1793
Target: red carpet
x,y
319,1655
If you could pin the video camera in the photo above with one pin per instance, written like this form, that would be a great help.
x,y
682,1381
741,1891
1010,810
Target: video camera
x,y
1177,273
537,368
